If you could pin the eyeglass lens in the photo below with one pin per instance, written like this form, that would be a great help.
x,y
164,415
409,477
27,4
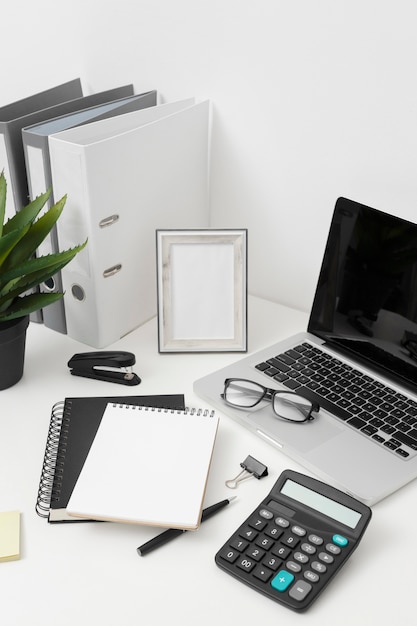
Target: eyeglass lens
x,y
244,393
292,407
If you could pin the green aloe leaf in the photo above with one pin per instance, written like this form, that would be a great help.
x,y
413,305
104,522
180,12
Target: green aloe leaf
x,y
9,241
18,285
28,214
38,231
52,263
27,304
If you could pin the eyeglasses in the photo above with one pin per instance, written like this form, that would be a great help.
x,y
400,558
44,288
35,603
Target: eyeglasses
x,y
246,394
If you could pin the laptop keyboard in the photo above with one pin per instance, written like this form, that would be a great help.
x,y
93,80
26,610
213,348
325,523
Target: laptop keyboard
x,y
384,415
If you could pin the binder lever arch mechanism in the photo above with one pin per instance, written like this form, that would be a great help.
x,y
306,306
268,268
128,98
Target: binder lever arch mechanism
x,y
110,366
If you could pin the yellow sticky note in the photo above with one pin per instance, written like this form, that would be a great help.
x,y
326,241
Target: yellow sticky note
x,y
9,535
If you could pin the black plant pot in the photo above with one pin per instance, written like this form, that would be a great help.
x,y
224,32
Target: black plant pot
x,y
12,350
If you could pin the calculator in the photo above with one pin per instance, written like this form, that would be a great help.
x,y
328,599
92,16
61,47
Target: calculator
x,y
296,540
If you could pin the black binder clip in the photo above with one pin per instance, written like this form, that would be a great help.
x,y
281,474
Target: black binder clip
x,y
111,366
251,467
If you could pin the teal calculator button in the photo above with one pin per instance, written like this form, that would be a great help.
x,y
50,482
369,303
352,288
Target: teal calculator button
x,y
282,580
339,540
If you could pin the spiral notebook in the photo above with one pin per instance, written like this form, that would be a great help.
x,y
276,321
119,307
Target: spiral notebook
x,y
147,466
72,428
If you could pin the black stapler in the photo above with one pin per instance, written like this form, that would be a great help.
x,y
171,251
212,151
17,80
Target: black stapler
x,y
110,366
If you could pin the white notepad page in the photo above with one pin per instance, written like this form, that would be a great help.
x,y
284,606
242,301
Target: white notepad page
x,y
147,466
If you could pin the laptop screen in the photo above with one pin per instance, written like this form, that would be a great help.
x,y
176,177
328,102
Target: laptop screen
x,y
365,303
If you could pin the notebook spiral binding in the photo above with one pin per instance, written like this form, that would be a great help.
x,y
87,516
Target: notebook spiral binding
x,y
49,482
155,409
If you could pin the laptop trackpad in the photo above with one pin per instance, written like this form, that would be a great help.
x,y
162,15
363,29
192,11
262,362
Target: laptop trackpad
x,y
303,437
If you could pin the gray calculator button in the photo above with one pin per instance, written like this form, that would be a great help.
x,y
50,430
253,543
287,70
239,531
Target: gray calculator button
x,y
318,567
311,576
280,521
330,547
308,548
266,514
326,558
293,567
297,530
315,539
300,557
300,590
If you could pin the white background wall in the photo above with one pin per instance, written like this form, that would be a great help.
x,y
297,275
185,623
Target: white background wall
x,y
312,99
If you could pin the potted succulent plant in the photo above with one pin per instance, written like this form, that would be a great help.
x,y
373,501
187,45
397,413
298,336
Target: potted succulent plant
x,y
21,271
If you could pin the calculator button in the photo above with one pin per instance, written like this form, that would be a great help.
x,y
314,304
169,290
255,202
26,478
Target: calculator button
x,y
262,573
282,580
239,544
311,576
300,557
339,540
265,542
318,567
229,555
281,551
256,554
326,558
315,539
300,590
297,530
246,564
308,548
289,540
293,567
333,549
280,521
274,532
273,563
258,524
248,533
266,514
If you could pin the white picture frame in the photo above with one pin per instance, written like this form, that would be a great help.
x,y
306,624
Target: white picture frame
x,y
202,290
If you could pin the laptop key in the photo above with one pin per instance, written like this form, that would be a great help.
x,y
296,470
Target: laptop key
x,y
292,384
378,438
402,452
285,359
386,428
292,354
343,403
280,377
357,422
279,365
406,439
271,371
369,430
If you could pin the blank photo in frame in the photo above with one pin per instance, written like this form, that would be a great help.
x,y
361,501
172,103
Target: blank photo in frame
x,y
202,290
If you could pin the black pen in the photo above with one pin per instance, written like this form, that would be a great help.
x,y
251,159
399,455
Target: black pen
x,y
171,533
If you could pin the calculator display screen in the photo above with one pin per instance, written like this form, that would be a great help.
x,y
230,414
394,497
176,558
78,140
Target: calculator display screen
x,y
320,503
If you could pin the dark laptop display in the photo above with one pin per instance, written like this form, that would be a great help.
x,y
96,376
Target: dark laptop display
x,y
366,298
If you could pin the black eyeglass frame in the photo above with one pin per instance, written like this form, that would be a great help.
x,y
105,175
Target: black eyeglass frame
x,y
269,394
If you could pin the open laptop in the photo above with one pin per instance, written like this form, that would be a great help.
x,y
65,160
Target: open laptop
x,y
358,360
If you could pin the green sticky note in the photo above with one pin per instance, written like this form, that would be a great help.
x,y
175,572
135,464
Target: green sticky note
x,y
9,535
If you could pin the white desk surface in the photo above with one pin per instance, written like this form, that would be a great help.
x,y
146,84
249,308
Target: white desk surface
x,y
90,573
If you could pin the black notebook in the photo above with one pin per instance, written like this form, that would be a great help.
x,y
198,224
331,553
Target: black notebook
x,y
73,425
